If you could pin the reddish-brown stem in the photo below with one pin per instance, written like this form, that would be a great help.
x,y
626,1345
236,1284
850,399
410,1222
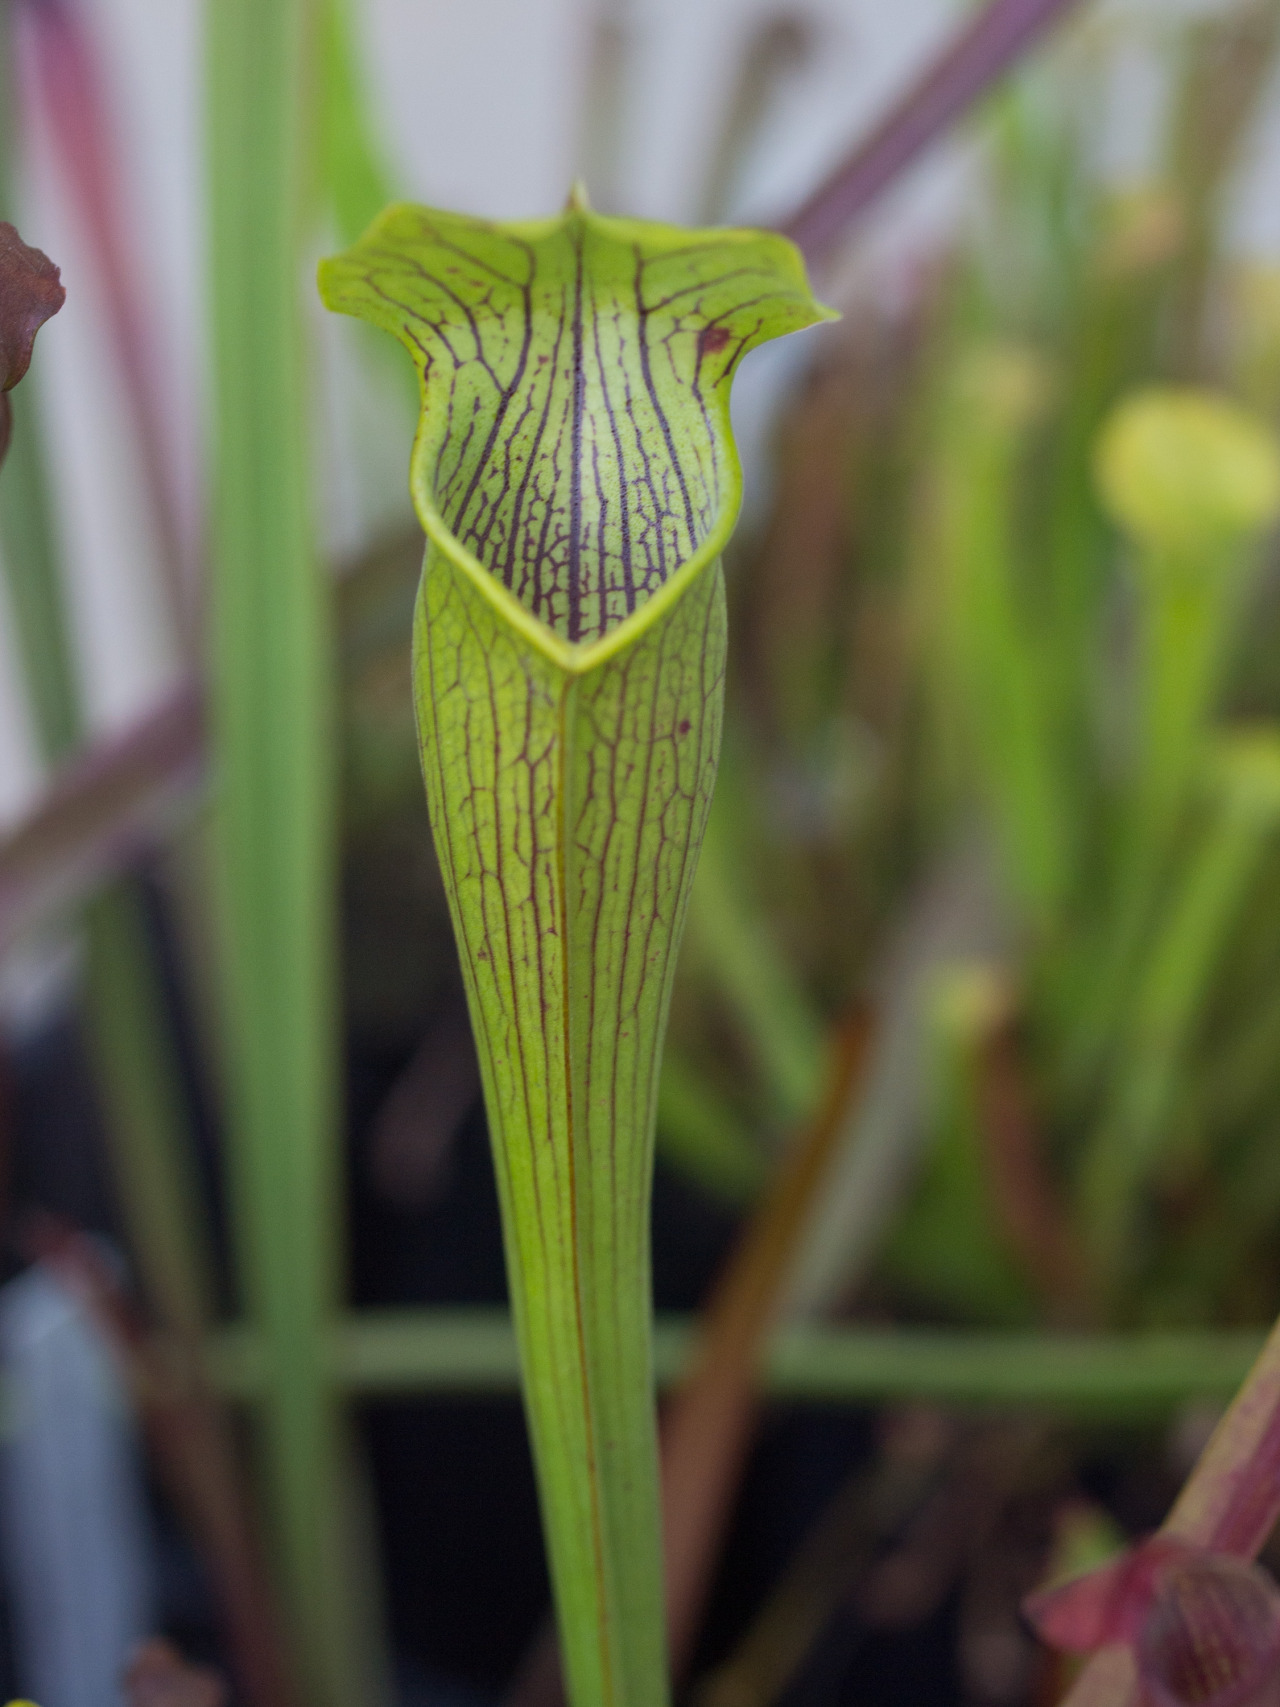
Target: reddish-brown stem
x,y
67,81
708,1424
969,65
103,810
1028,1205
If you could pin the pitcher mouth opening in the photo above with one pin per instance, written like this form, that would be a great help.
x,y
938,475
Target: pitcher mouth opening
x,y
576,657
594,464
574,454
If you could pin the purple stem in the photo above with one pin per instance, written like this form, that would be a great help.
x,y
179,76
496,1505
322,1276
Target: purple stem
x,y
982,51
1232,1498
67,78
102,812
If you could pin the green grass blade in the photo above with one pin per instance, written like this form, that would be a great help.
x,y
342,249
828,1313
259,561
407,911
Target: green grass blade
x,y
150,1152
275,822
704,1138
1176,981
384,1354
30,551
763,996
357,179
35,592
988,637
575,473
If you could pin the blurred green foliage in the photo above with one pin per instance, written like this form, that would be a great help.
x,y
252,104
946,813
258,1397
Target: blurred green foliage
x,y
1065,543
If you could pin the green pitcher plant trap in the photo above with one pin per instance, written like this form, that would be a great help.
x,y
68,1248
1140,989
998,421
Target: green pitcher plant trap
x,y
575,473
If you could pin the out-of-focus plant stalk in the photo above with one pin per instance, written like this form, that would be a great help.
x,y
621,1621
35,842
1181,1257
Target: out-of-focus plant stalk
x,y
703,1136
135,1059
30,550
1228,65
384,1354
1203,908
108,805
357,180
35,593
66,74
990,655
709,1422
1110,300
766,1003
272,715
1193,481
968,66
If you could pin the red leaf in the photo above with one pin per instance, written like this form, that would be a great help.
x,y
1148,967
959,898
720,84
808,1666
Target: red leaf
x,y
1108,1605
31,291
